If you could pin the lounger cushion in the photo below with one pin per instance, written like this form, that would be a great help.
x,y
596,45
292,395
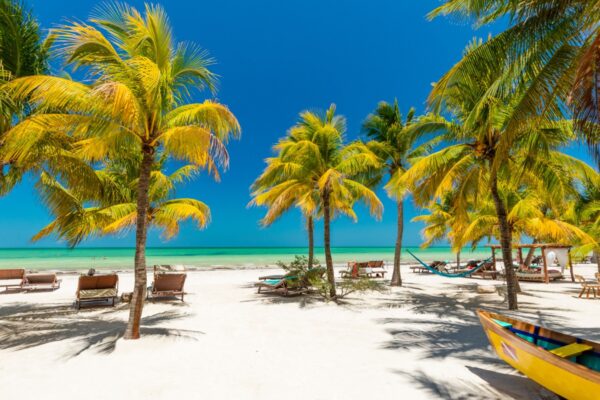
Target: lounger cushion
x,y
169,282
98,282
97,293
9,274
40,279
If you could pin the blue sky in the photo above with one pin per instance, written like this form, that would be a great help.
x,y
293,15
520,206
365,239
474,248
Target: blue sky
x,y
277,58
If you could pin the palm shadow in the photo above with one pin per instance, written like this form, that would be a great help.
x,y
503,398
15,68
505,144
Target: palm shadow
x,y
25,326
446,325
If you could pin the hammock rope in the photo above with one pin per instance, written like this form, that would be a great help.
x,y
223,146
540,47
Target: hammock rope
x,y
447,274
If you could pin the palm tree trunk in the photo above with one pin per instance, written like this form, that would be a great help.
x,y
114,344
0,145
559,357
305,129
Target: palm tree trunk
x,y
505,242
139,288
396,276
327,245
529,256
310,226
458,259
597,257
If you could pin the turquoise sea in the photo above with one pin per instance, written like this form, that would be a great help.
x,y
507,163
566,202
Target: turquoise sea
x,y
65,259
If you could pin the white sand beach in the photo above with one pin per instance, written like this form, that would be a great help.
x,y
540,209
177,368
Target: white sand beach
x,y
421,341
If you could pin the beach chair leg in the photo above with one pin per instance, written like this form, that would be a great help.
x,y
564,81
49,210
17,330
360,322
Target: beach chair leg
x,y
581,292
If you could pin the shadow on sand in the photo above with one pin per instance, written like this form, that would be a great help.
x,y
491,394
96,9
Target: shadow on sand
x,y
24,326
446,325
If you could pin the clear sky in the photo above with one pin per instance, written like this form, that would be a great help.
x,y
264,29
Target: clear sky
x,y
277,58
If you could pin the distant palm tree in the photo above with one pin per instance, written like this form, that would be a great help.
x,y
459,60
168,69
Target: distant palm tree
x,y
444,222
396,145
22,53
334,171
111,208
551,48
285,183
136,102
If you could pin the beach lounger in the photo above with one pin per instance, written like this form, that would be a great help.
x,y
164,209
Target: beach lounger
x,y
376,269
352,270
276,276
487,270
439,265
167,284
284,285
41,281
370,269
11,278
91,289
290,283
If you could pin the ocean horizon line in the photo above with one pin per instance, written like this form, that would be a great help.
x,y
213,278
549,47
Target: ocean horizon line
x,y
220,247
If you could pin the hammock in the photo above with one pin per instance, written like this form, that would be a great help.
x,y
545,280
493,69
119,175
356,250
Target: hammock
x,y
446,274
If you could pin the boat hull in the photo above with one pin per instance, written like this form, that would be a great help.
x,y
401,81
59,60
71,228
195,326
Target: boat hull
x,y
565,378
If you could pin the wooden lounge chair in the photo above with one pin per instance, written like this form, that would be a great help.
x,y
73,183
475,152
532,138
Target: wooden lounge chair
x,y
45,281
289,284
96,288
487,270
11,278
276,276
352,270
587,287
439,265
285,285
167,284
375,269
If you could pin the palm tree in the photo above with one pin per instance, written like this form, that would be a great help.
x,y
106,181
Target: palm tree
x,y
285,183
444,222
334,171
489,140
111,208
22,53
396,146
551,47
140,81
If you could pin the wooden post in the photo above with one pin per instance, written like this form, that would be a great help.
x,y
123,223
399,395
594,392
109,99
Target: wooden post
x,y
571,266
546,278
520,256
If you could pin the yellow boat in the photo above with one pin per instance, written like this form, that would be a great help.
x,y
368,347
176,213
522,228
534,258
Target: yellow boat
x,y
563,364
